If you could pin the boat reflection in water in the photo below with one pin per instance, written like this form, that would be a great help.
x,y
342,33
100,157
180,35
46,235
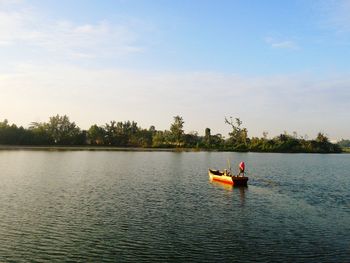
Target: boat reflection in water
x,y
221,185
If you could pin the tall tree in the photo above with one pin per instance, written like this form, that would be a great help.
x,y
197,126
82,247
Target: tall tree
x,y
4,124
111,133
96,135
62,130
177,130
238,135
321,138
207,137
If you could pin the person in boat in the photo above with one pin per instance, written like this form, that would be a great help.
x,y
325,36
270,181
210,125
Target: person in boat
x,y
241,169
227,173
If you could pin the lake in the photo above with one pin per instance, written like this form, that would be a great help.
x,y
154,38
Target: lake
x,y
95,206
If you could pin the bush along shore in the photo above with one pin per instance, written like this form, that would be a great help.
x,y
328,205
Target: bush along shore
x,y
60,133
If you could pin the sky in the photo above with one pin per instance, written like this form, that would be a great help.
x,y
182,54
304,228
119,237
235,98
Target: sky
x,y
280,66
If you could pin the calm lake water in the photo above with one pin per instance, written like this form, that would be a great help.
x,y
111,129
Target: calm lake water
x,y
160,206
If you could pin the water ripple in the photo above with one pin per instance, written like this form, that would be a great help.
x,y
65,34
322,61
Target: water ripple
x,y
161,207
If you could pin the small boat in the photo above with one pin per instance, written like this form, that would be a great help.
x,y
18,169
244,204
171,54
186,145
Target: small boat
x,y
216,175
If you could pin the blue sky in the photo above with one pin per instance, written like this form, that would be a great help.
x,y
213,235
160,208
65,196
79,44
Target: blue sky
x,y
278,65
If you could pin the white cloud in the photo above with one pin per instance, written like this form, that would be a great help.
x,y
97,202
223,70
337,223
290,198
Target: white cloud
x,y
25,28
10,22
282,44
6,2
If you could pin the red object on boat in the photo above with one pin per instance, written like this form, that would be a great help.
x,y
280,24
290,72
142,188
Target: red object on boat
x,y
242,166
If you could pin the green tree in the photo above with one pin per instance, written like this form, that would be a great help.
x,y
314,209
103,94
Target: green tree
x,y
110,133
238,135
177,130
11,134
144,138
217,141
192,139
4,124
321,138
152,129
96,135
40,134
62,130
132,134
344,143
59,130
161,139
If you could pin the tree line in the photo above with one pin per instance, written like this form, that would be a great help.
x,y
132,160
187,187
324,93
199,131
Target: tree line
x,y
60,131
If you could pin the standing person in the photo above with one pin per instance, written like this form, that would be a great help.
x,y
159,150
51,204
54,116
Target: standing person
x,y
241,168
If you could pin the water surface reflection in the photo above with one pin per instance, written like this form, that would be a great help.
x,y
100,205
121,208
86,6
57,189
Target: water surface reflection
x,y
161,207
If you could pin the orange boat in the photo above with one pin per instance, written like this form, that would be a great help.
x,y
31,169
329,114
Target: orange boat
x,y
216,175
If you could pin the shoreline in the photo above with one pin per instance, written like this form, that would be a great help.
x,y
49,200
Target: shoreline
x,y
126,149
98,148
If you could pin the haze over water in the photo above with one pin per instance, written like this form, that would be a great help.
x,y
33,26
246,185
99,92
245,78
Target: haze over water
x,y
161,206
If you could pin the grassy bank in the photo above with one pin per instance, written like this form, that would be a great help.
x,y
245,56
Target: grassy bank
x,y
346,149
